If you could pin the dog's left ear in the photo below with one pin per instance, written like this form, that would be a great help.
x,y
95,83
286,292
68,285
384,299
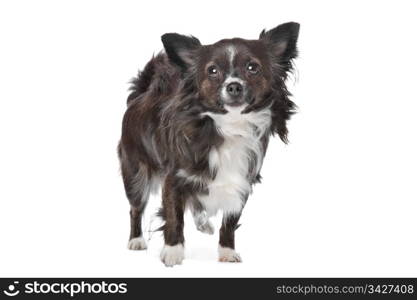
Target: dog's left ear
x,y
180,48
282,41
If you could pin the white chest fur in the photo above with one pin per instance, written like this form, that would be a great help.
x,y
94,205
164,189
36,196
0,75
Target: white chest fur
x,y
242,141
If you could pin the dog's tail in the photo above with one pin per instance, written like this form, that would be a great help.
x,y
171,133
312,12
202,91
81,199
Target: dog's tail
x,y
158,78
140,84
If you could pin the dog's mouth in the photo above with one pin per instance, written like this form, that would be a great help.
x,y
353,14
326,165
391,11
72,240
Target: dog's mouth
x,y
224,107
236,103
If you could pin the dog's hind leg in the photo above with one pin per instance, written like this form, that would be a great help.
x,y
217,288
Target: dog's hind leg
x,y
136,240
173,206
137,186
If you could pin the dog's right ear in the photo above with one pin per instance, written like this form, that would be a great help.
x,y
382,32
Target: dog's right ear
x,y
180,48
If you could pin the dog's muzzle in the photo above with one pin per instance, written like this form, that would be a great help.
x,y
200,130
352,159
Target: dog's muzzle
x,y
234,94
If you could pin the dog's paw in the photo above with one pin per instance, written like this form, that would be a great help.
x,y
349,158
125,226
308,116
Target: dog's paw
x,y
228,255
206,227
172,255
137,243
202,223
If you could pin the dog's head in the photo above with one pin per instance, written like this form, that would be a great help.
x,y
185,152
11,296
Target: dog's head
x,y
236,72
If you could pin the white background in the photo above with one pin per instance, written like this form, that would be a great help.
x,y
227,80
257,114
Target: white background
x,y
339,200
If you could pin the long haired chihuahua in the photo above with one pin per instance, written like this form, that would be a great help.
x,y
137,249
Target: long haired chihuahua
x,y
198,122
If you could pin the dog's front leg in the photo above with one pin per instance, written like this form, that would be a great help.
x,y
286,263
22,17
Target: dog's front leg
x,y
227,251
173,203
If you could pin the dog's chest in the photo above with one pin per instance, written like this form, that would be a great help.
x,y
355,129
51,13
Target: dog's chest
x,y
240,153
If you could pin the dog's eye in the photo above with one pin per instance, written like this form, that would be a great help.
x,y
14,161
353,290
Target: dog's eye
x,y
212,71
253,68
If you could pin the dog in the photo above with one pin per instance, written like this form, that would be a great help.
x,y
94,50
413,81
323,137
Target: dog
x,y
198,122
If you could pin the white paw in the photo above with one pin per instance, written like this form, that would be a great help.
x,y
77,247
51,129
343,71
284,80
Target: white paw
x,y
172,255
228,255
137,243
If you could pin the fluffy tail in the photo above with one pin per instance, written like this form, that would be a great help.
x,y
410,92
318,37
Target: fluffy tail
x,y
141,82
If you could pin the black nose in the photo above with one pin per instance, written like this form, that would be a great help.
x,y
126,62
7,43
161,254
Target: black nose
x,y
234,89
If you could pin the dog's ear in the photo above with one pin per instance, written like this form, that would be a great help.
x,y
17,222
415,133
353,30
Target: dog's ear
x,y
282,41
180,48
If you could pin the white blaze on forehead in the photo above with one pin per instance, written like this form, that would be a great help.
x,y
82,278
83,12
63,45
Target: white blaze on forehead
x,y
231,50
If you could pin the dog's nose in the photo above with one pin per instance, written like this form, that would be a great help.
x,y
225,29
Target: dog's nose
x,y
234,89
